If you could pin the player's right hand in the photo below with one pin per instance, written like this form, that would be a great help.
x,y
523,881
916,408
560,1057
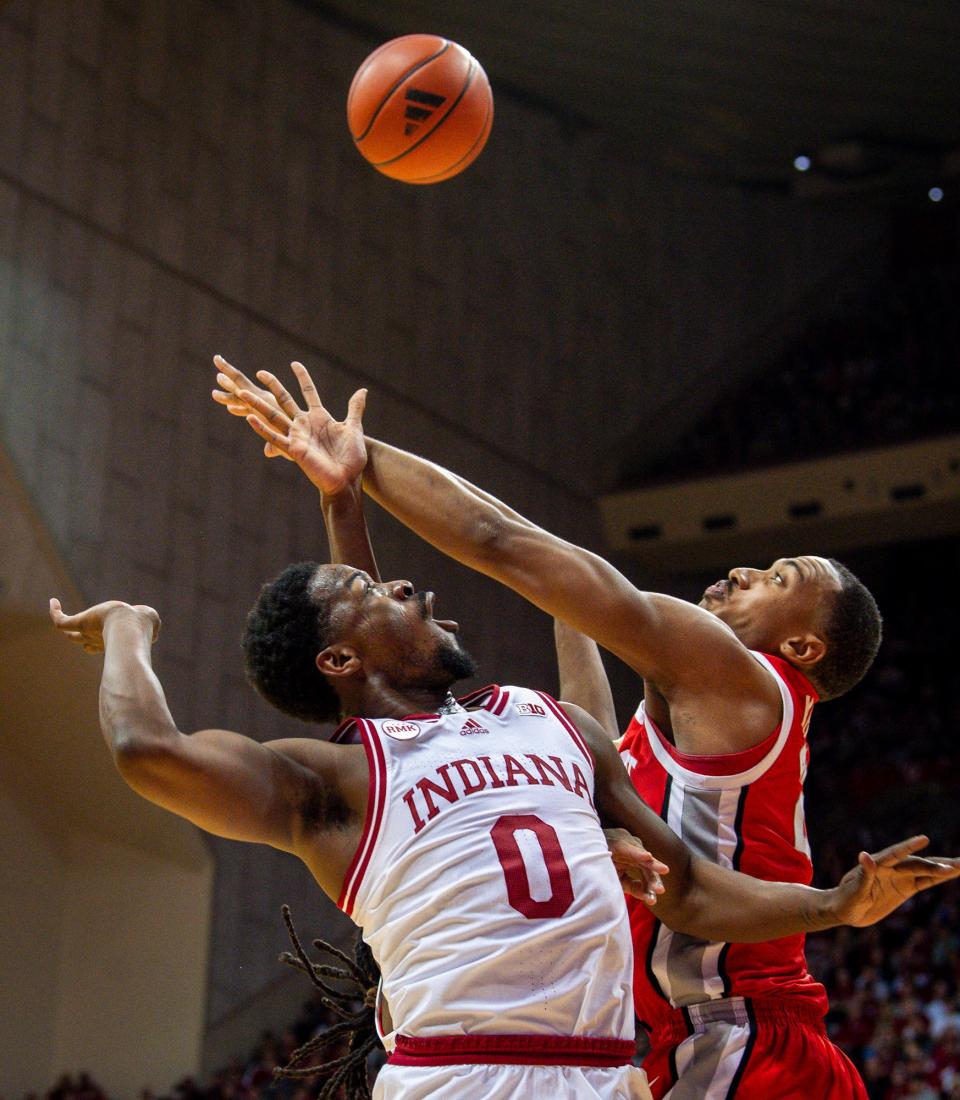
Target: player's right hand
x,y
638,870
232,381
332,453
86,627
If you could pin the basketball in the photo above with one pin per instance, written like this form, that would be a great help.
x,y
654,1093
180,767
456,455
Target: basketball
x,y
420,109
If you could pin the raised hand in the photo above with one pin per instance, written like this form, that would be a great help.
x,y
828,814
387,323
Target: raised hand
x,y
232,381
883,881
86,627
639,872
332,453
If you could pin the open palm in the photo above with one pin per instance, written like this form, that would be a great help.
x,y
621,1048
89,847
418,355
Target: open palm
x,y
885,880
331,452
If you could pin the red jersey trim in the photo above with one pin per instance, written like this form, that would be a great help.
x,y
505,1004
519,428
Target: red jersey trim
x,y
340,733
496,703
522,1050
495,698
716,764
564,720
376,800
718,777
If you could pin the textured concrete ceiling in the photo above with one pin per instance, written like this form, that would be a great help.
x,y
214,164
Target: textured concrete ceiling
x,y
730,90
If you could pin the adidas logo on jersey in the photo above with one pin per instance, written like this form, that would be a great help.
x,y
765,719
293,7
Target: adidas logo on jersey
x,y
470,727
532,708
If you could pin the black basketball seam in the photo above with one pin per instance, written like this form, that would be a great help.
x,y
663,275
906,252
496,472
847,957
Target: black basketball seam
x,y
408,73
484,133
430,133
363,68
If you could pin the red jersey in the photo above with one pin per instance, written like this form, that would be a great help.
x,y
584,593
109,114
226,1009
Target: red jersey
x,y
741,810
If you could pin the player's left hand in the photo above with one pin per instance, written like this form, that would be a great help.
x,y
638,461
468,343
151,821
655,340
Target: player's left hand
x,y
639,872
87,628
883,881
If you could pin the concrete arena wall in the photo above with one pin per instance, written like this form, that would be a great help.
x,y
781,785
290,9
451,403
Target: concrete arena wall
x,y
175,180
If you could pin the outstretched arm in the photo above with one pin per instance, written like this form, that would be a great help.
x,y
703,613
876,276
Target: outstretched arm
x,y
684,650
583,679
714,903
225,783
333,447
680,648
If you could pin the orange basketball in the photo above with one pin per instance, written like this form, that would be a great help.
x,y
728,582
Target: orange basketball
x,y
420,108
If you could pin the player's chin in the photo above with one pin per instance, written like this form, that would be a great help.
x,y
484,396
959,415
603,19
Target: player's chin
x,y
454,659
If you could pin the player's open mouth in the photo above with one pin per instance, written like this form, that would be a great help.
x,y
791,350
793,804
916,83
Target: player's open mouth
x,y
718,591
445,624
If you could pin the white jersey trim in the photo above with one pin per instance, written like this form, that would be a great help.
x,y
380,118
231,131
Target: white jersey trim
x,y
722,782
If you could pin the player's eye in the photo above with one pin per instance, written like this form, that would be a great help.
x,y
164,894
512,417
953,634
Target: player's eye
x,y
778,578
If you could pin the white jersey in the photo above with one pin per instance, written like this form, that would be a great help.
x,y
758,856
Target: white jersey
x,y
483,883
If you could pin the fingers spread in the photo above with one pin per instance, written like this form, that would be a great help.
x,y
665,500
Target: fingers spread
x,y
266,409
266,432
234,375
355,409
897,852
307,388
279,391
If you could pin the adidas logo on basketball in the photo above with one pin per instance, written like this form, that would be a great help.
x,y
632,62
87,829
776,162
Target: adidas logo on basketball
x,y
470,727
415,116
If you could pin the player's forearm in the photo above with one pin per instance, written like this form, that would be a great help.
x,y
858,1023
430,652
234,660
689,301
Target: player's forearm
x,y
134,716
439,506
347,530
583,679
700,898
566,581
726,906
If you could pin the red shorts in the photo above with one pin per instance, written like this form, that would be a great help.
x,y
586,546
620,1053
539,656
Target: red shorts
x,y
750,1049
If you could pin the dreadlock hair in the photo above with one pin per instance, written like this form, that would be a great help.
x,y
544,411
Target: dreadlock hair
x,y
286,628
853,628
362,975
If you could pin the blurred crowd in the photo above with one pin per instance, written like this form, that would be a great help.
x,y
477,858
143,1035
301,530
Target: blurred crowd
x,y
884,766
247,1078
882,369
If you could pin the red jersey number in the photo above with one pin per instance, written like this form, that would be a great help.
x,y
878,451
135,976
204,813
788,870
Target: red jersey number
x,y
504,838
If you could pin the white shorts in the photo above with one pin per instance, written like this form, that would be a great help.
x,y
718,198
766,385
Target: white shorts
x,y
510,1082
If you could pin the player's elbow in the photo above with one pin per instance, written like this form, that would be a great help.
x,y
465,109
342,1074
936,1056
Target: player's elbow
x,y
139,751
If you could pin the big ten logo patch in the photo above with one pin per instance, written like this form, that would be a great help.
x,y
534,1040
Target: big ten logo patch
x,y
532,708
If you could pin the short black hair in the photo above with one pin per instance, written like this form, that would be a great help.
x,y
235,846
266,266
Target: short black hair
x,y
286,628
853,628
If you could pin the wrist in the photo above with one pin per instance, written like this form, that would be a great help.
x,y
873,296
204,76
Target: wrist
x,y
345,496
826,910
124,613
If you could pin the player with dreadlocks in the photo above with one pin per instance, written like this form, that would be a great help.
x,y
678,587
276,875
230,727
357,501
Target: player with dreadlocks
x,y
362,975
463,836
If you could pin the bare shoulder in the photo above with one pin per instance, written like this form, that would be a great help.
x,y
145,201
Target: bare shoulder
x,y
316,754
331,805
703,661
335,776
